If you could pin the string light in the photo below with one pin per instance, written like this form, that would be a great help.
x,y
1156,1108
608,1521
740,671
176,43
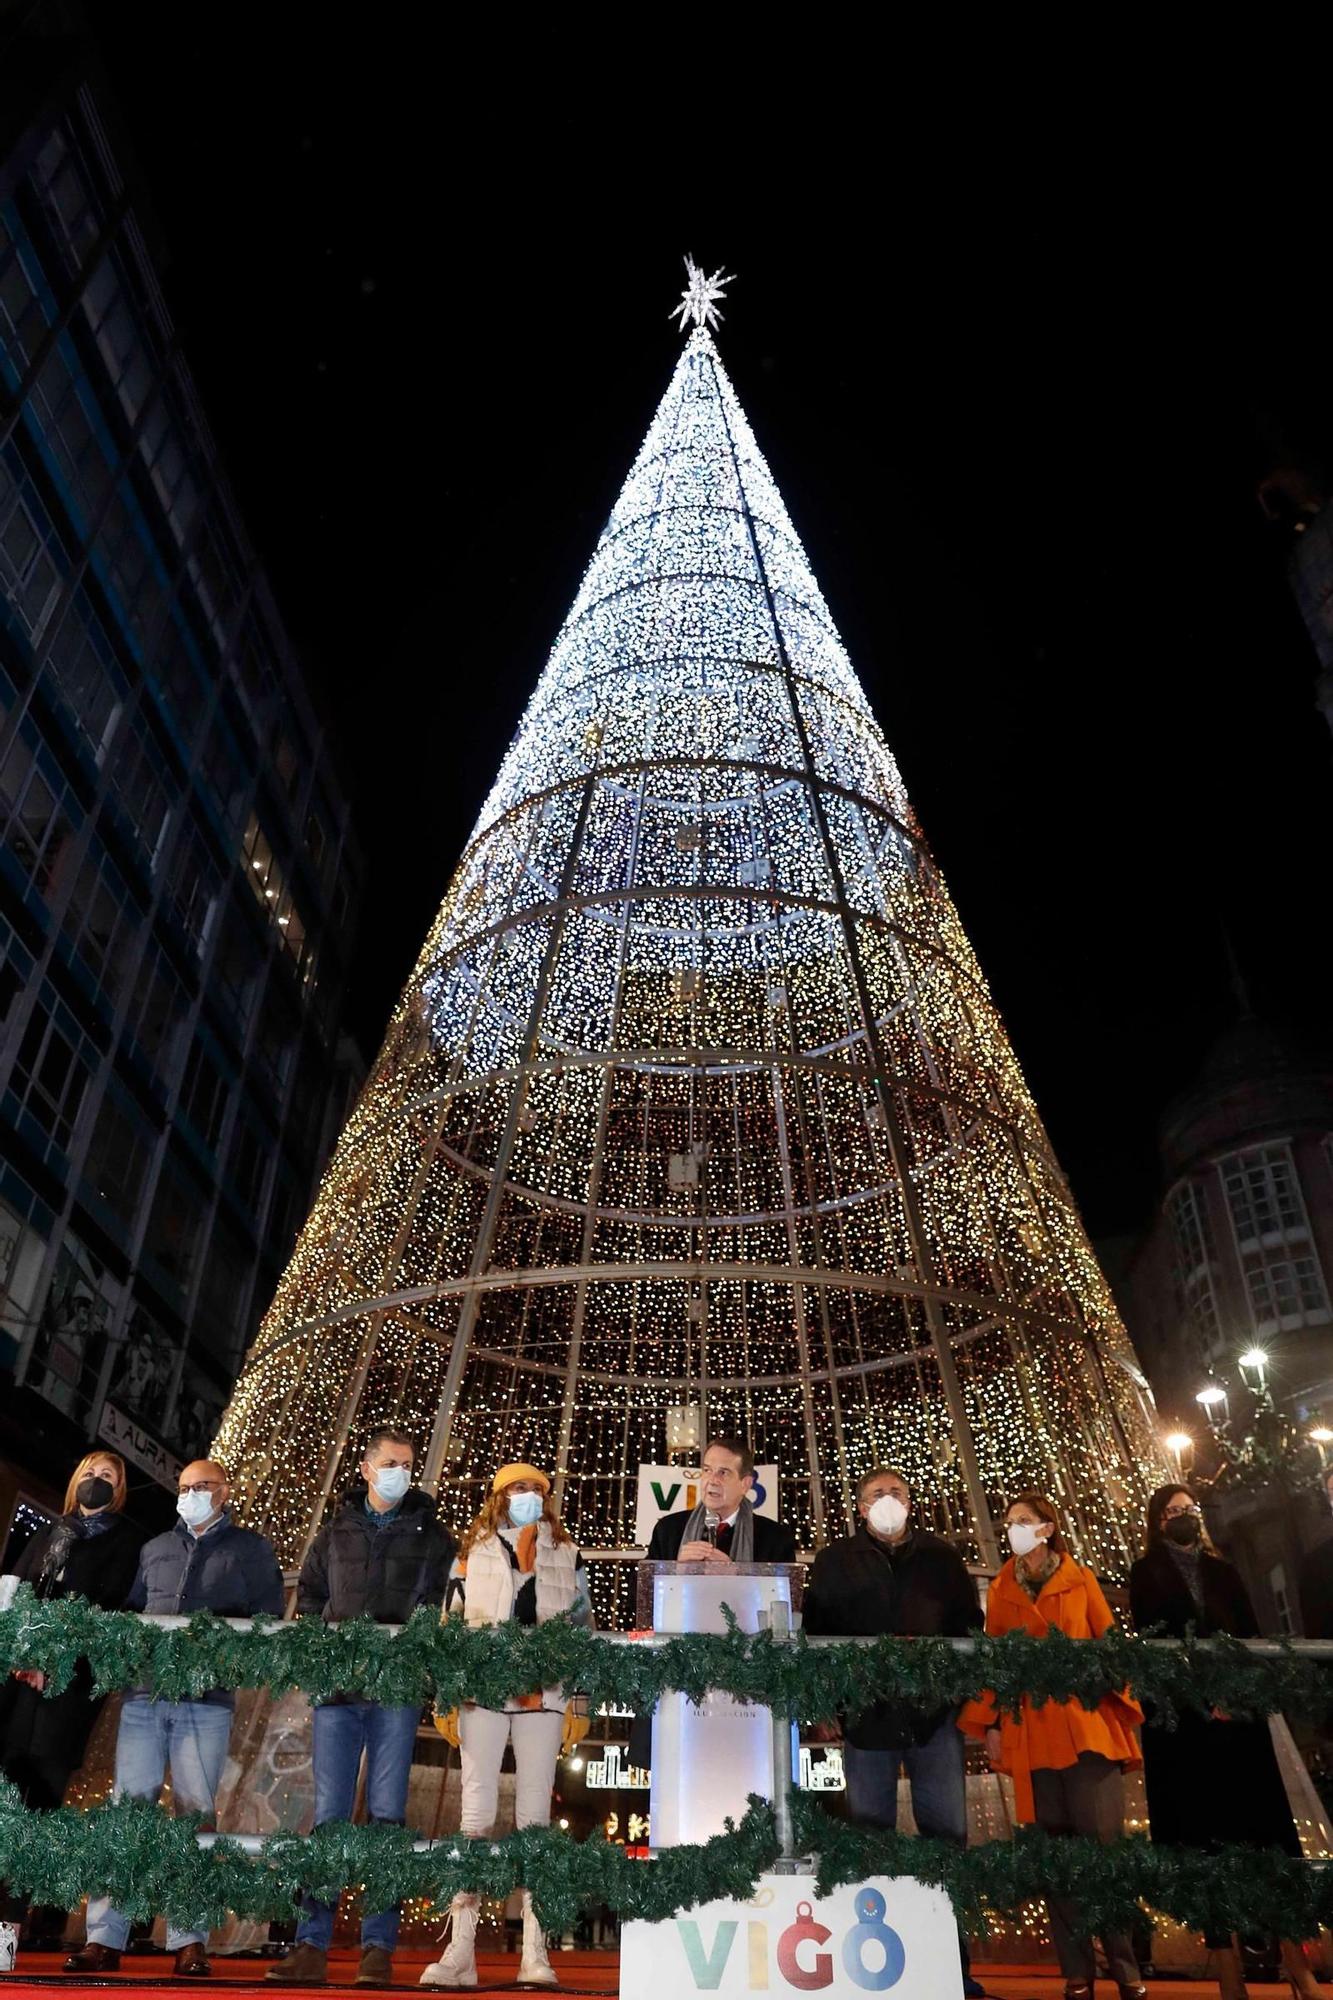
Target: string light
x,y
697,1096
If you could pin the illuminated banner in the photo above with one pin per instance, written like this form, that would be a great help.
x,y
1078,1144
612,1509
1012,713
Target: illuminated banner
x,y
667,1489
891,1934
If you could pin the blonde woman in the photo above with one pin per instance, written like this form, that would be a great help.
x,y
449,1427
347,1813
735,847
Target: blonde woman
x,y
517,1562
91,1551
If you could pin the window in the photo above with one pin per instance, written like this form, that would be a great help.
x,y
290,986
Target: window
x,y
1195,1262
179,679
71,426
53,1069
103,921
176,1226
247,1172
203,1096
316,840
125,549
35,824
78,669
160,1012
60,189
31,559
15,971
138,790
223,1294
1263,1195
238,968
118,1155
269,884
1286,1293
171,467
222,768
23,318
118,338
193,890
274,1045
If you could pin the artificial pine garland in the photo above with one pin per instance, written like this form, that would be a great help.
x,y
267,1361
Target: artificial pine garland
x,y
150,1863
452,1663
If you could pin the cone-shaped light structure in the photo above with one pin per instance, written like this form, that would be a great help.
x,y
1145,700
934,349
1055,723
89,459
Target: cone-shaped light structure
x,y
697,1095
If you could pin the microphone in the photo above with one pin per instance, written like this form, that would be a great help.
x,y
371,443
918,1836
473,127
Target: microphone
x,y
711,1524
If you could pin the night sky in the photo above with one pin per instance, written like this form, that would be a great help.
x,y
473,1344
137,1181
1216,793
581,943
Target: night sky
x,y
1017,410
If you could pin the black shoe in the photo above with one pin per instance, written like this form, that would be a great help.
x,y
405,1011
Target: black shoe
x,y
191,1963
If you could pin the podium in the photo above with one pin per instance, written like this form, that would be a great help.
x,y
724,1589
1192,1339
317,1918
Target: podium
x,y
707,1759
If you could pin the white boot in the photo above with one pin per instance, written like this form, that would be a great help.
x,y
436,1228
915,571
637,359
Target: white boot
x,y
534,1967
458,1966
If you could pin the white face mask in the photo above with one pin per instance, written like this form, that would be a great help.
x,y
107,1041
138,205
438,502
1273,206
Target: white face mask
x,y
887,1515
1024,1538
194,1508
391,1482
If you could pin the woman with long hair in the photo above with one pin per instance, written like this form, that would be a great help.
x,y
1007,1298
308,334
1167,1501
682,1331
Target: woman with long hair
x,y
516,1562
1067,1762
91,1551
1210,1780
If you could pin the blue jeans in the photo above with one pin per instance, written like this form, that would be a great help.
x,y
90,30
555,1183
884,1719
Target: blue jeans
x,y
343,1730
936,1774
191,1737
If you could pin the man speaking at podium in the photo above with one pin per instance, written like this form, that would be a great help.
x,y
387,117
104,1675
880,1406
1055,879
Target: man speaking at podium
x,y
724,1528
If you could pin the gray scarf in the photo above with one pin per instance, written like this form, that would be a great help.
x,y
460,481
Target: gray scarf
x,y
742,1531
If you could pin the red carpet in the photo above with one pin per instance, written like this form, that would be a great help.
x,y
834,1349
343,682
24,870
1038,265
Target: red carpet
x,y
581,1973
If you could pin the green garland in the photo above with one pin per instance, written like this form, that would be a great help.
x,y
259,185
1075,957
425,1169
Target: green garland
x,y
451,1663
150,1863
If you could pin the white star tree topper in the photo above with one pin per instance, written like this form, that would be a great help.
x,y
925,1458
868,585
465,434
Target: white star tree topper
x,y
701,297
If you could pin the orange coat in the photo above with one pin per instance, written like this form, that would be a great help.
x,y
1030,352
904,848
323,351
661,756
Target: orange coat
x,y
1051,1735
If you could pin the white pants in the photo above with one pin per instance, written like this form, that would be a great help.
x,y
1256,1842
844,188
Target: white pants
x,y
482,1735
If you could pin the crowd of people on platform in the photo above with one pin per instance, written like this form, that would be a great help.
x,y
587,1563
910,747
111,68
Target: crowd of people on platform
x,y
1210,1780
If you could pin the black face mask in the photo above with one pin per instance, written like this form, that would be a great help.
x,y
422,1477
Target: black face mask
x,y
1184,1530
93,1493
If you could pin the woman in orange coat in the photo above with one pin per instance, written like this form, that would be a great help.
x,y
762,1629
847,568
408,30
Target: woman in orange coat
x,y
1066,1761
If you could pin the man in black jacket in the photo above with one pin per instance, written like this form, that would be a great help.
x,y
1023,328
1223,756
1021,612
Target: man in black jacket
x,y
204,1563
724,1528
383,1554
891,1577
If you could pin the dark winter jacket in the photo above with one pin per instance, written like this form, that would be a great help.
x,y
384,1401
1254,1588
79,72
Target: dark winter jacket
x,y
1208,1782
861,1587
230,1570
380,1568
774,1541
65,1560
1316,1588
43,1737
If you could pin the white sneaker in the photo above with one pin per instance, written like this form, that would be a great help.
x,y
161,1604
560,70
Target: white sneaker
x,y
458,1966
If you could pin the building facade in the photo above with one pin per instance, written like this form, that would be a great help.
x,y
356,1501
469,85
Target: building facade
x,y
178,880
1239,1262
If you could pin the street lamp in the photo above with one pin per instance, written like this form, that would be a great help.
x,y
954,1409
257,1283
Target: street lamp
x,y
1181,1447
1213,1398
1254,1361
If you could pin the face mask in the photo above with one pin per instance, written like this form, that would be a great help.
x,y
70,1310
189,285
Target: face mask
x,y
392,1482
1184,1530
93,1493
194,1508
1024,1538
525,1508
887,1515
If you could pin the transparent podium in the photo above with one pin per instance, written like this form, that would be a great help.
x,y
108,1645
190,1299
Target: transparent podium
x,y
707,1759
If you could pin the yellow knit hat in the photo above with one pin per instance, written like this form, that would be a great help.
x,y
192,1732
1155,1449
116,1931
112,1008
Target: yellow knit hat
x,y
507,1475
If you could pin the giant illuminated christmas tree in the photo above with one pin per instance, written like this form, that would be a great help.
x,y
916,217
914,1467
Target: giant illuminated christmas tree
x,y
697,1095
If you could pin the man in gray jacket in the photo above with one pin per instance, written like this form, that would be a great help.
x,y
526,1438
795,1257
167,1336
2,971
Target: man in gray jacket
x,y
204,1563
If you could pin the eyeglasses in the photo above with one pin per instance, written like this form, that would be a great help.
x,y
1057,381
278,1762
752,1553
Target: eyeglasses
x,y
1180,1513
199,1486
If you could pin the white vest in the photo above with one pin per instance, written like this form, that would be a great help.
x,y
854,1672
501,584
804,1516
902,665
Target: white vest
x,y
493,1583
